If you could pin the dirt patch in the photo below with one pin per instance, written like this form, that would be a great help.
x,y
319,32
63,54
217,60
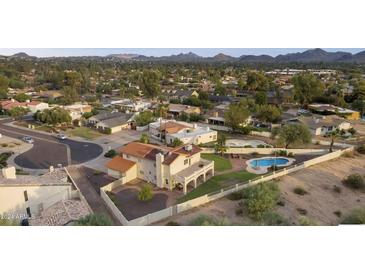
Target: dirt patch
x,y
322,182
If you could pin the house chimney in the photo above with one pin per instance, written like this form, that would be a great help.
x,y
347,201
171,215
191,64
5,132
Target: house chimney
x,y
195,126
51,169
9,172
188,147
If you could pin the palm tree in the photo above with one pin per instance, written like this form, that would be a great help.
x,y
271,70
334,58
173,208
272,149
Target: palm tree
x,y
220,146
334,134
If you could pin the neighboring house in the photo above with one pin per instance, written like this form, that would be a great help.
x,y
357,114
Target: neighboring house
x,y
216,115
162,166
77,110
33,106
326,109
30,195
176,109
111,121
169,130
322,125
184,94
50,94
136,106
220,99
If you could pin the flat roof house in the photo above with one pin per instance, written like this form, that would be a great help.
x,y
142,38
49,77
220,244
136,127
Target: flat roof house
x,y
77,110
169,130
176,109
322,125
162,166
326,109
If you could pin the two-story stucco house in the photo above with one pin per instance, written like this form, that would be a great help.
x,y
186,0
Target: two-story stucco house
x,y
169,130
160,165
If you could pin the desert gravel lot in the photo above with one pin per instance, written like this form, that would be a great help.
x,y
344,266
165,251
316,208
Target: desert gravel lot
x,y
320,203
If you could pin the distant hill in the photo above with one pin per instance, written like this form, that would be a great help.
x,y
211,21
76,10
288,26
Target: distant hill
x,y
308,56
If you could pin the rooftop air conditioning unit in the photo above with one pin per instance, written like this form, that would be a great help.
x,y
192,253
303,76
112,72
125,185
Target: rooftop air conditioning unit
x,y
188,147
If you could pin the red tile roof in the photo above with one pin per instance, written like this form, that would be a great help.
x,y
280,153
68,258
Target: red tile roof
x,y
118,163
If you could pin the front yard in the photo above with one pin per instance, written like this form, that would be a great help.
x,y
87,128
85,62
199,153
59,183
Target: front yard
x,y
216,183
84,132
220,163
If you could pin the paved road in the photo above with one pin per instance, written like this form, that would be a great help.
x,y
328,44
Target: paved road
x,y
48,150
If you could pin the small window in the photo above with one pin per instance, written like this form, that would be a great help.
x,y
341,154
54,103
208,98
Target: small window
x,y
141,172
186,162
150,173
25,195
166,181
28,212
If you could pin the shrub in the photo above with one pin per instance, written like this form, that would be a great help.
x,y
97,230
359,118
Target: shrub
x,y
239,211
357,216
110,154
361,149
260,199
338,213
145,139
235,196
145,194
348,154
280,203
254,154
354,181
290,154
172,223
302,211
204,220
282,153
337,189
300,191
352,131
305,221
94,220
274,219
247,146
260,146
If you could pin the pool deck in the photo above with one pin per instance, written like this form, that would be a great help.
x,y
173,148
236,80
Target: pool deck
x,y
265,169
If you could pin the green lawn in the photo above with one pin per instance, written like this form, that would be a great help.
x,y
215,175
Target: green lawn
x,y
84,132
220,163
217,182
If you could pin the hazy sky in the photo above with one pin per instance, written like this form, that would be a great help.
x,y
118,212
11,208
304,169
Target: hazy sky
x,y
46,52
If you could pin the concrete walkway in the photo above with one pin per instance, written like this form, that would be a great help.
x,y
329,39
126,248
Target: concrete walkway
x,y
88,187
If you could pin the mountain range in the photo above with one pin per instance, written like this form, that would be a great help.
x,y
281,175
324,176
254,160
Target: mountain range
x,y
309,56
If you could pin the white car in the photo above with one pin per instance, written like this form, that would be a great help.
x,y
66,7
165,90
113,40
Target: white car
x,y
28,139
61,136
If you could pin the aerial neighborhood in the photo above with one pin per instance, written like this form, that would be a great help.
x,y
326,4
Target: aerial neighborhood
x,y
182,140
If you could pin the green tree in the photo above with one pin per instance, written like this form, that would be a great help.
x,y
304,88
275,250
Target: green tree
x,y
261,98
334,134
220,146
306,88
144,118
22,97
146,193
145,139
150,83
261,199
3,94
70,95
294,134
256,81
268,113
53,116
4,83
177,142
18,112
94,220
236,115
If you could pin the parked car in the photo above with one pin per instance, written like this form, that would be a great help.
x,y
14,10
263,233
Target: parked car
x,y
28,139
61,136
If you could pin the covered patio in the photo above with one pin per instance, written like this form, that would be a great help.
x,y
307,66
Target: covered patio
x,y
194,174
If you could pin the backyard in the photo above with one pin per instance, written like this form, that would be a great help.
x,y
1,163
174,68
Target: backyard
x,y
217,182
220,163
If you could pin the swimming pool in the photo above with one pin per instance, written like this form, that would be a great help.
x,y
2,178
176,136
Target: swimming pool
x,y
262,165
267,162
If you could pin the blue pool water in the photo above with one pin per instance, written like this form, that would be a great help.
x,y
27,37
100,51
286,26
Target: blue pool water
x,y
269,162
